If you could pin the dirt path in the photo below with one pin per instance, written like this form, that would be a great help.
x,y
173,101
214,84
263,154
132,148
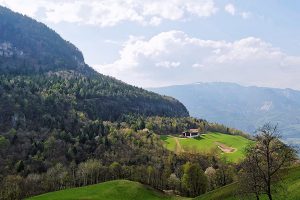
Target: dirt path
x,y
179,148
225,148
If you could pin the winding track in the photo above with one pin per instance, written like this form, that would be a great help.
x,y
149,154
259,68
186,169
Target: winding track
x,y
180,149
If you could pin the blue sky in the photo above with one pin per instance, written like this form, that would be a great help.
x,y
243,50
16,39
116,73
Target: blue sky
x,y
157,43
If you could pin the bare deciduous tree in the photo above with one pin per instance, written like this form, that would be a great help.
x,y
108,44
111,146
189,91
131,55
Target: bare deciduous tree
x,y
265,158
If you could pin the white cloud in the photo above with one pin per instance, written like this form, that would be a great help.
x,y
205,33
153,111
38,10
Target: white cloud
x,y
230,9
204,9
168,64
245,15
155,21
175,58
105,13
113,42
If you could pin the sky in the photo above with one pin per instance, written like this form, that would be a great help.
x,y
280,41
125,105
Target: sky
x,y
153,43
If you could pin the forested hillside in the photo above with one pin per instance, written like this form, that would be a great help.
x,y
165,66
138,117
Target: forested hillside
x,y
54,100
44,77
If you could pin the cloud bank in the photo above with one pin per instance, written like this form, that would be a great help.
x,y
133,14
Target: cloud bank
x,y
174,57
106,13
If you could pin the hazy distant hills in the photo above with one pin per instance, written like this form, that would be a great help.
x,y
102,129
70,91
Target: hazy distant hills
x,y
241,107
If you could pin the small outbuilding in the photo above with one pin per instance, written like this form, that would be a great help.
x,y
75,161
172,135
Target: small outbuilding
x,y
191,133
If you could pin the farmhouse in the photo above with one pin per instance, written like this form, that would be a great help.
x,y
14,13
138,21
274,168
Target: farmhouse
x,y
191,133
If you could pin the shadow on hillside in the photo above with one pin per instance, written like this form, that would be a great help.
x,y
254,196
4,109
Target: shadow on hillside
x,y
198,138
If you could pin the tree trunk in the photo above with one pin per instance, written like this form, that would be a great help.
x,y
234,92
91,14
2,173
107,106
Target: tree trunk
x,y
269,188
270,196
257,196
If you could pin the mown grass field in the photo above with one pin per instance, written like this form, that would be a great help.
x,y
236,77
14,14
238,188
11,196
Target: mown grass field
x,y
207,143
289,191
112,190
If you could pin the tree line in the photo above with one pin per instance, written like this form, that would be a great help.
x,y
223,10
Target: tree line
x,y
188,179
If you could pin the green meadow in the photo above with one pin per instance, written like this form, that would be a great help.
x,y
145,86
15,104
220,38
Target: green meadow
x,y
208,143
111,190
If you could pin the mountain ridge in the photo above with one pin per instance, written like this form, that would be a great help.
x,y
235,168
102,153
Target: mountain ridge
x,y
227,83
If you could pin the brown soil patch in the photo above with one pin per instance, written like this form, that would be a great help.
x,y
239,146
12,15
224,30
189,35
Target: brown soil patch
x,y
179,148
225,148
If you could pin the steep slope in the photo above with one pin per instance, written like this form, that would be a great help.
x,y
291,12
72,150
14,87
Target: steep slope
x,y
115,190
43,77
241,107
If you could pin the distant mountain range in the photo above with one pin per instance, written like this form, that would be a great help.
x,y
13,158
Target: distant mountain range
x,y
245,108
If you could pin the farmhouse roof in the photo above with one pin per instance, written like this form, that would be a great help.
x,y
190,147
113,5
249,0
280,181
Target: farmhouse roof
x,y
194,130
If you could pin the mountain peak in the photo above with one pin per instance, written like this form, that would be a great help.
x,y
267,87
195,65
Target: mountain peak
x,y
27,46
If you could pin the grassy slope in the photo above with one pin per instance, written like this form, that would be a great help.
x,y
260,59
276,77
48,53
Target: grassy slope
x,y
112,190
128,190
206,143
291,189
224,193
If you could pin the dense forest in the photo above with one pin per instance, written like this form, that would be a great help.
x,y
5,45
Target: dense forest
x,y
50,99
